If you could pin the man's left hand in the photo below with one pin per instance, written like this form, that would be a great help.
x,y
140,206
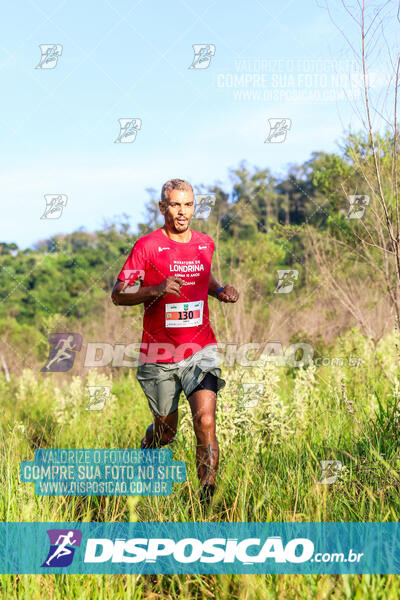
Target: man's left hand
x,y
228,294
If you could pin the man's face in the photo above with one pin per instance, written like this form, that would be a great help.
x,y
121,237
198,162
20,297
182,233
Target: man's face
x,y
178,210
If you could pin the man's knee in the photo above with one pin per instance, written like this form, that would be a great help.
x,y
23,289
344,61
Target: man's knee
x,y
204,422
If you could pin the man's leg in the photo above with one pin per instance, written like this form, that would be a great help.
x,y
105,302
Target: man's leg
x,y
202,403
161,432
162,391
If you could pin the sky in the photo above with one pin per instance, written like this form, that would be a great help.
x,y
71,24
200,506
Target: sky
x,y
115,60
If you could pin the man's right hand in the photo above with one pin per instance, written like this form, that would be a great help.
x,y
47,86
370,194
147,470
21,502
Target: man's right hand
x,y
171,285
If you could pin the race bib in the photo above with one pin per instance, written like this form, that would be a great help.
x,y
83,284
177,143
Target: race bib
x,y
184,314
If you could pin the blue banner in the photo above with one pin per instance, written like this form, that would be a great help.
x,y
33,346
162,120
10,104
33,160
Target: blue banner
x,y
118,548
103,472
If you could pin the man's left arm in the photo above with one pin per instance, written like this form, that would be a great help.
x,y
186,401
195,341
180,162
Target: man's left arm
x,y
227,294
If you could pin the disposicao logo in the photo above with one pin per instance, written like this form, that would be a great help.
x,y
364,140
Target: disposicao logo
x,y
62,547
63,543
148,550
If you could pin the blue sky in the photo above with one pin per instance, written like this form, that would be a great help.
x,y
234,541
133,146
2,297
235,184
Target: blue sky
x,y
131,60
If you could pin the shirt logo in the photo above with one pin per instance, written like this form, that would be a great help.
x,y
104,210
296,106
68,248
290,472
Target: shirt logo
x,y
161,249
202,247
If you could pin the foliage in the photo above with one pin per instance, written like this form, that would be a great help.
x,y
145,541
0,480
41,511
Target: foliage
x,y
269,465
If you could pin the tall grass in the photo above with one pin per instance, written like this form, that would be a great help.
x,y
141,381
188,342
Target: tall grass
x,y
269,467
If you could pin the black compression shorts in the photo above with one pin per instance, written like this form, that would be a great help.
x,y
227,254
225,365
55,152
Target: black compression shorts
x,y
210,382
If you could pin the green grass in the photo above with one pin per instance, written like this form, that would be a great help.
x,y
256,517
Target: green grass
x,y
269,468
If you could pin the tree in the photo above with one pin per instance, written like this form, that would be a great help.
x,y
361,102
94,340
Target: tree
x,y
153,217
373,151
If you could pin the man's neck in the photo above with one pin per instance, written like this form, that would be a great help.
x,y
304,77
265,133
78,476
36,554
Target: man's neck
x,y
183,237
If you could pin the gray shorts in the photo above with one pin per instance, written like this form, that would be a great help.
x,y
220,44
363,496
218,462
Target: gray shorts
x,y
163,383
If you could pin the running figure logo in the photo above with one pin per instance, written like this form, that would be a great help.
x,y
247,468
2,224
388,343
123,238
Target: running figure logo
x,y
278,129
50,54
98,394
133,280
128,130
63,543
54,206
357,207
287,277
62,351
330,471
203,204
202,55
252,393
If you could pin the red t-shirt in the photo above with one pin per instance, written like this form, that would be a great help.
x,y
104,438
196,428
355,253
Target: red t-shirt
x,y
173,327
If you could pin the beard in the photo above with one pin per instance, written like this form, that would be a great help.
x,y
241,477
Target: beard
x,y
181,226
176,226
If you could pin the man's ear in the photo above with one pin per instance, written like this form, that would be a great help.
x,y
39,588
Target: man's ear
x,y
162,207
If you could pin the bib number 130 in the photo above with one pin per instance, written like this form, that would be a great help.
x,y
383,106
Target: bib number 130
x,y
184,314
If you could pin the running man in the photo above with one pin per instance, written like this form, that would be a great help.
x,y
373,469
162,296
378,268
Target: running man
x,y
62,549
178,344
64,347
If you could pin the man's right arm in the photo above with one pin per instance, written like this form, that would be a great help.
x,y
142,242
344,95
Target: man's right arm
x,y
121,296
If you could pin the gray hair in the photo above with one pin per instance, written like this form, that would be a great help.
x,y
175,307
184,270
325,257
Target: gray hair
x,y
174,184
